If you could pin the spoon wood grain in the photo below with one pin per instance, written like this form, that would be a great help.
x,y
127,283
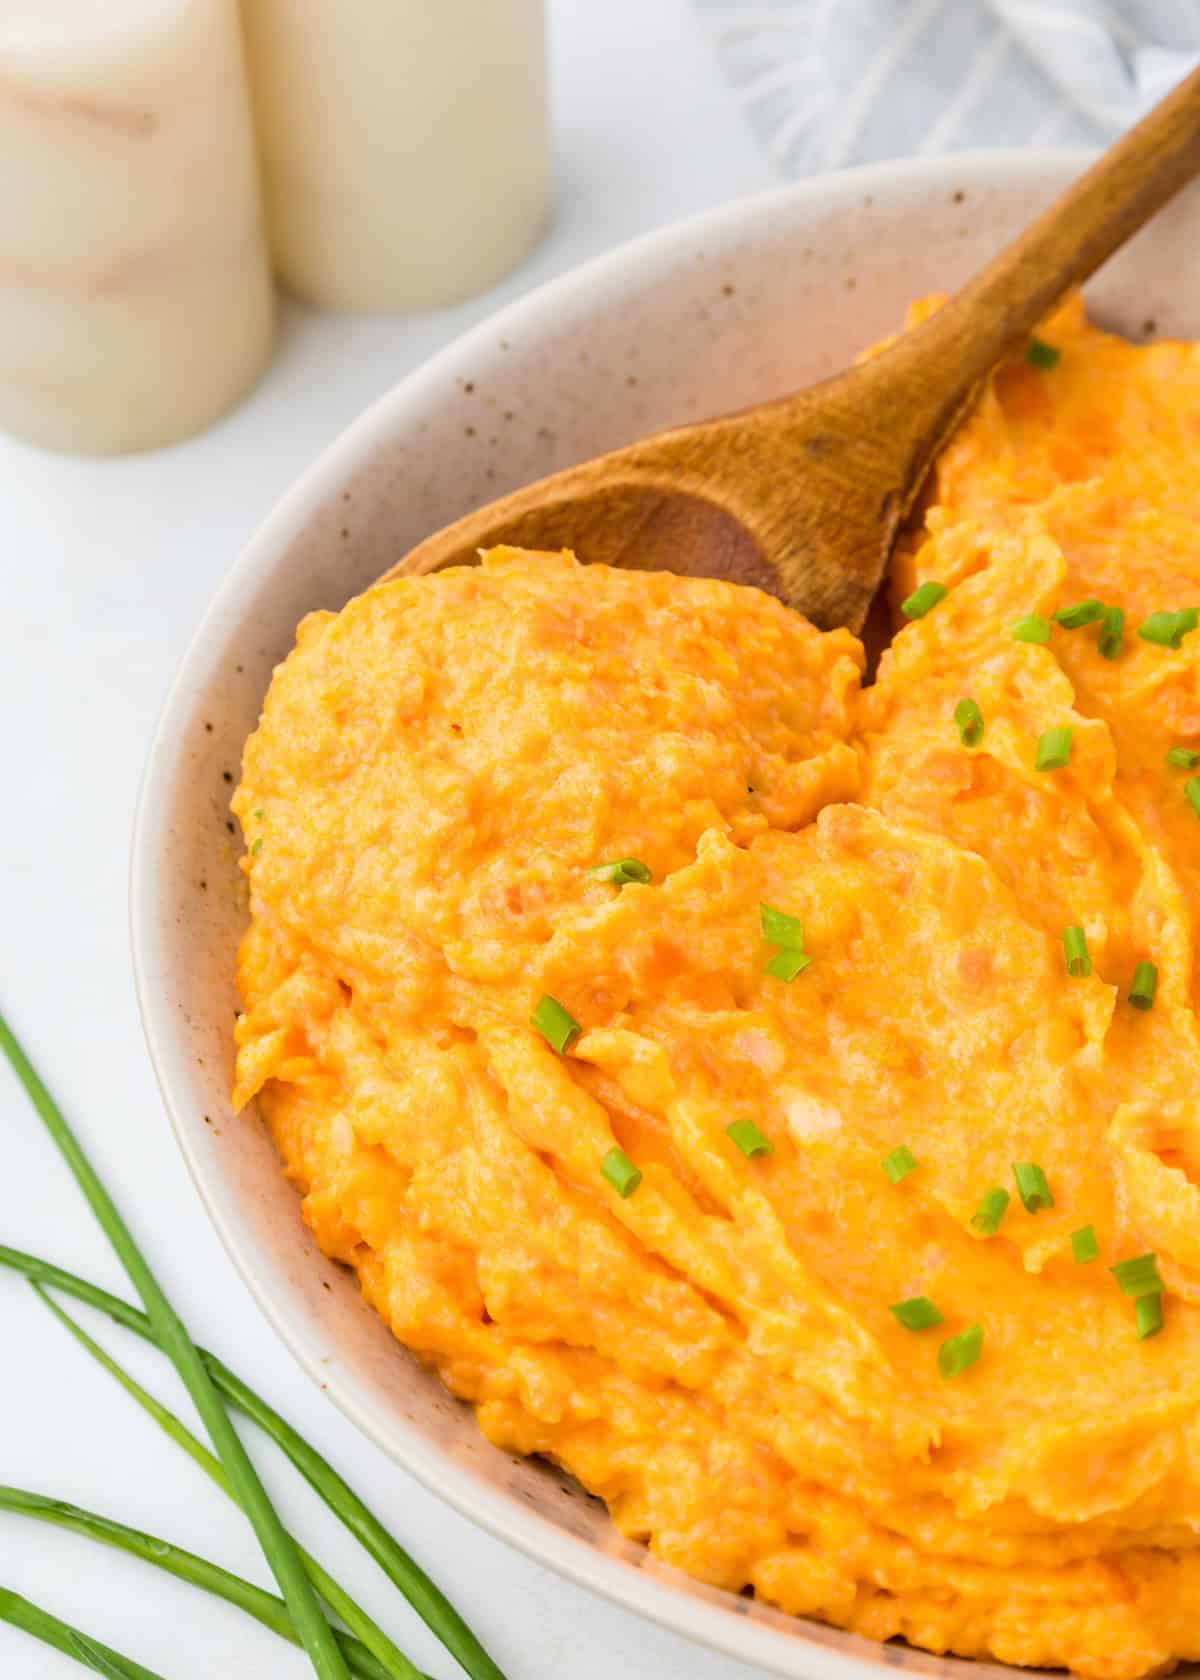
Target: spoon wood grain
x,y
804,496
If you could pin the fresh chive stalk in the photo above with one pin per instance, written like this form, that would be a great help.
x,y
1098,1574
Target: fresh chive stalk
x,y
390,1662
430,1603
170,1334
272,1612
1183,758
18,1612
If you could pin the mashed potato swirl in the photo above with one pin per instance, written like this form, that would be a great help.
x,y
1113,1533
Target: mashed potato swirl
x,y
437,771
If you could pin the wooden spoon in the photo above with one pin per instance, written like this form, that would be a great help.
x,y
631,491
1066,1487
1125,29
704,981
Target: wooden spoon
x,y
803,496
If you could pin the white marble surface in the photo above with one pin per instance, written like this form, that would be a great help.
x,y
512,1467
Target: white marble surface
x,y
105,568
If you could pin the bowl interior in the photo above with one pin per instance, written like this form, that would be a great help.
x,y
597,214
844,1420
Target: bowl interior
x,y
729,308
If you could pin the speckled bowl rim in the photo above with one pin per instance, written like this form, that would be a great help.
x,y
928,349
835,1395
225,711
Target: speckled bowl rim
x,y
779,1644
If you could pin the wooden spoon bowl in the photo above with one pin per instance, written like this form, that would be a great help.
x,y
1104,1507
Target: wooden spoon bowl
x,y
803,496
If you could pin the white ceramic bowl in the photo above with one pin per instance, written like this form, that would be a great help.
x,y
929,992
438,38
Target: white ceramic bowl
x,y
725,309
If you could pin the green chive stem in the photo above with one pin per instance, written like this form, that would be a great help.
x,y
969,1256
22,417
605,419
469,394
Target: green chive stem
x,y
1083,612
430,1603
272,1612
1112,632
622,871
1054,749
1183,758
621,1173
787,964
1041,355
779,928
752,1142
1191,792
1145,984
18,1612
968,720
899,1163
1148,1316
993,1205
170,1334
1032,628
923,599
391,1662
959,1352
557,1025
1032,1186
1079,963
1084,1246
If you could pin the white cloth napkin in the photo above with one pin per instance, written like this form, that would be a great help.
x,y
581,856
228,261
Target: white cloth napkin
x,y
829,83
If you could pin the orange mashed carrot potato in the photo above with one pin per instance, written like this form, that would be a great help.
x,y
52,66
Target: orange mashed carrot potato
x,y
439,769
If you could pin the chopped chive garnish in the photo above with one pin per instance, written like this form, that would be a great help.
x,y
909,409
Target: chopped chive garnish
x,y
621,1173
1083,612
259,811
1032,1186
1191,792
917,1313
969,719
899,1163
781,929
1138,1277
1112,632
1084,1245
923,599
959,1352
1148,1316
557,1027
1079,963
257,847
787,964
1041,355
993,1205
1054,749
1168,629
621,871
1145,982
1183,758
1032,628
749,1139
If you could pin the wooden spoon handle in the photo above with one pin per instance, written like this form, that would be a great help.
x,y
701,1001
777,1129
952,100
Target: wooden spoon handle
x,y
964,340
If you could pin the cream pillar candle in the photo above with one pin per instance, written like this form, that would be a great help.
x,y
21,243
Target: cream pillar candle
x,y
135,293
404,144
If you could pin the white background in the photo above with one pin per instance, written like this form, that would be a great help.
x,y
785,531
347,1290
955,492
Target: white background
x,y
105,568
